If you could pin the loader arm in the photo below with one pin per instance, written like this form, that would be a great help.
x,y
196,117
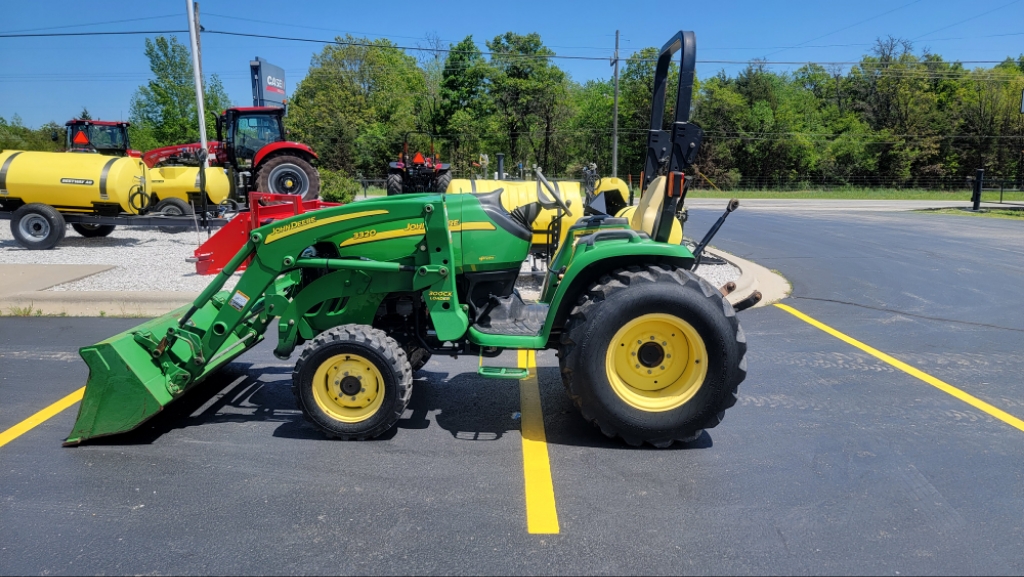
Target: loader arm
x,y
133,375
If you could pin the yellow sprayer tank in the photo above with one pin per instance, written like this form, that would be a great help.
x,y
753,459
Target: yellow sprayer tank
x,y
178,181
72,181
519,193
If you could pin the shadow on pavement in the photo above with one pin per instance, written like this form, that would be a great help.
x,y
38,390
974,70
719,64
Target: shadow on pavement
x,y
468,407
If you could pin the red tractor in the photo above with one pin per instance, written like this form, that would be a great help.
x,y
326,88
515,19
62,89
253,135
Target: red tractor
x,y
97,136
251,145
419,173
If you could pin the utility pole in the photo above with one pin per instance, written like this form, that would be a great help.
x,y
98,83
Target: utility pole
x,y
192,11
615,111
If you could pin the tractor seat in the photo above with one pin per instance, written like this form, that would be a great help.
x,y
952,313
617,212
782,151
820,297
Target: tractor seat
x,y
519,222
648,212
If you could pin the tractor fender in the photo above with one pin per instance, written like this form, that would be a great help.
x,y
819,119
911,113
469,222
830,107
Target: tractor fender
x,y
287,146
605,256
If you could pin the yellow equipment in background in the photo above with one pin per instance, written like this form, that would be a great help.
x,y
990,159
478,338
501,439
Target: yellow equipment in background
x,y
181,181
73,182
521,192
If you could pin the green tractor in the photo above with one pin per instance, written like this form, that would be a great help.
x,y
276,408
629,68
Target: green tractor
x,y
368,291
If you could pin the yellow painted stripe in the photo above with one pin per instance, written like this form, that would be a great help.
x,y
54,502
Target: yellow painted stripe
x,y
286,232
38,418
402,233
473,226
914,372
386,235
541,515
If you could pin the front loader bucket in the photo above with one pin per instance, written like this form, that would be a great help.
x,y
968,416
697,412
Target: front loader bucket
x,y
126,387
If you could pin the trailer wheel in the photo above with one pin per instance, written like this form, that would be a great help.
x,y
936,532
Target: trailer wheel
x,y
441,185
289,175
93,230
653,354
394,184
353,382
173,207
38,226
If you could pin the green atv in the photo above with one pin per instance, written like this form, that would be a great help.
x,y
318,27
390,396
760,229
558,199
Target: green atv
x,y
648,351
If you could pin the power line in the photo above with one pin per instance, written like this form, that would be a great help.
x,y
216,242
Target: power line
x,y
91,24
960,22
850,26
57,34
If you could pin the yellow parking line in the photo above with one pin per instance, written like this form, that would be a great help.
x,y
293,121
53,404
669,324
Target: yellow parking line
x,y
914,372
38,418
541,515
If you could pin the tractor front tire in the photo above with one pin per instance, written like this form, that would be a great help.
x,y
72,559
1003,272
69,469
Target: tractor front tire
x,y
442,182
353,382
289,175
653,355
38,226
93,230
394,184
173,207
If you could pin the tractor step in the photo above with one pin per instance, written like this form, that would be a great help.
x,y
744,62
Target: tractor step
x,y
503,373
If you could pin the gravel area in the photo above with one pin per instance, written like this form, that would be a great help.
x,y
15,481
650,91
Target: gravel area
x,y
150,260
146,259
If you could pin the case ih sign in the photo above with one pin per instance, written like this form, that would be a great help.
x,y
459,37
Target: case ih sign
x,y
268,87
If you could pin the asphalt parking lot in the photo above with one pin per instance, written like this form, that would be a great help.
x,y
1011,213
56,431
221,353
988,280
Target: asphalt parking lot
x,y
834,461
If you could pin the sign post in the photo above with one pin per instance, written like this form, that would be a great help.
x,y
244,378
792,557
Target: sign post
x,y
268,85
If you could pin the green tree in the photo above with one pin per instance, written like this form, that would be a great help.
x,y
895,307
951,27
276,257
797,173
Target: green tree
x,y
163,112
356,103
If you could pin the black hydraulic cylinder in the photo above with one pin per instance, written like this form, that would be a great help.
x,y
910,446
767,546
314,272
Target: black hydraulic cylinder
x,y
697,252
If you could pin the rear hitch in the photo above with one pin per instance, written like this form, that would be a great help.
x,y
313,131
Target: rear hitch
x,y
697,252
753,299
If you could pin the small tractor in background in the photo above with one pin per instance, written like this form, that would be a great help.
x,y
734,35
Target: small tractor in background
x,y
252,147
104,137
419,173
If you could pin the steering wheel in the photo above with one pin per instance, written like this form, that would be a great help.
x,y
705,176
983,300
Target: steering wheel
x,y
551,190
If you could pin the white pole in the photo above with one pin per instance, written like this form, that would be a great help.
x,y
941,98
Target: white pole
x,y
615,113
197,74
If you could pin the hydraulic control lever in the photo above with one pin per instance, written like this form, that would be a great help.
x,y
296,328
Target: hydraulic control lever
x,y
699,251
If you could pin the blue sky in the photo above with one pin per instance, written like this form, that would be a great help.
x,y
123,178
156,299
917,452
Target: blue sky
x,y
44,79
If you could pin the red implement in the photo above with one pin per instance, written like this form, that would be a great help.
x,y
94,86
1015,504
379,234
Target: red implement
x,y
264,208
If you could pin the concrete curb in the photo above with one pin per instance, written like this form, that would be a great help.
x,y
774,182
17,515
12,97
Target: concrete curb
x,y
96,303
773,286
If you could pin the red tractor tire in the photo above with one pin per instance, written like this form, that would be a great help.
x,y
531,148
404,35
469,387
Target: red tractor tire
x,y
287,174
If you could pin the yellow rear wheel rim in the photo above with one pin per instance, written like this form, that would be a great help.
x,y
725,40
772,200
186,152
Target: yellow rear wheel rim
x,y
349,388
656,362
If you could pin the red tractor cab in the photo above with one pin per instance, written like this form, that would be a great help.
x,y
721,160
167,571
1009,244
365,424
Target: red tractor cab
x,y
97,136
251,145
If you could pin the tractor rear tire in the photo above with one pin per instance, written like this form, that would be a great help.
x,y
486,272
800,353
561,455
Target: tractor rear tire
x,y
93,230
394,184
38,226
173,207
441,185
353,382
289,175
620,342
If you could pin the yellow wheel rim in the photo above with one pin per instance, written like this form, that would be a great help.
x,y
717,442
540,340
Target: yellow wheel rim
x,y
348,388
656,362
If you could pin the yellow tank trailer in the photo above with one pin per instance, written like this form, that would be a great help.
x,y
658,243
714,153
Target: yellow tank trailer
x,y
41,192
73,182
183,182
